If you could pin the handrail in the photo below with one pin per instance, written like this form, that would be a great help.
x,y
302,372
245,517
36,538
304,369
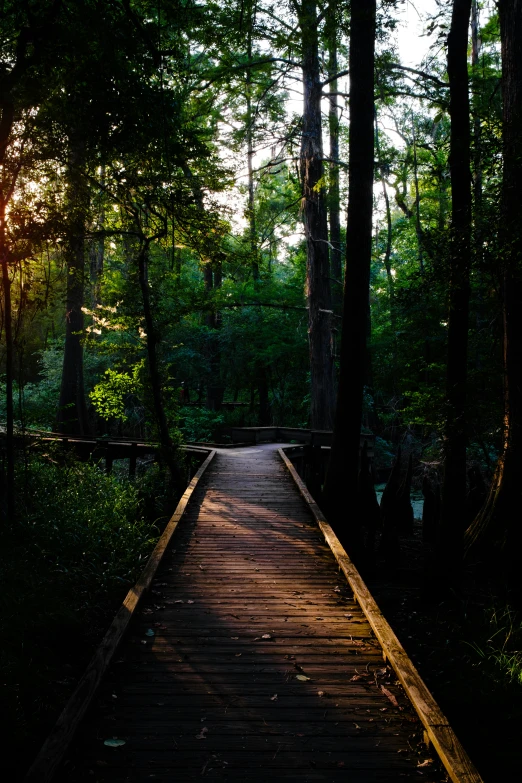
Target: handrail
x,y
58,741
458,765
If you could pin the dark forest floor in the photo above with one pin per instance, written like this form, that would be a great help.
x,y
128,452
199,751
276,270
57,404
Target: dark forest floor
x,y
443,640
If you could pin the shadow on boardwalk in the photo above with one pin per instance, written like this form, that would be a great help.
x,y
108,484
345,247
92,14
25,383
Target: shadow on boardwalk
x,y
249,659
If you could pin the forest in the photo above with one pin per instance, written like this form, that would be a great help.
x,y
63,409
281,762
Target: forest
x,y
240,213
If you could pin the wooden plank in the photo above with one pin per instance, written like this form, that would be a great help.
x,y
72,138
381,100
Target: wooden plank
x,y
57,743
455,759
244,568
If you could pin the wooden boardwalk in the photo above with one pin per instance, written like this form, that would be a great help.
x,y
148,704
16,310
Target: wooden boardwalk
x,y
249,659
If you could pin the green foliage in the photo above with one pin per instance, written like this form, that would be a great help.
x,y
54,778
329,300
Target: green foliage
x,y
500,650
200,424
80,541
109,396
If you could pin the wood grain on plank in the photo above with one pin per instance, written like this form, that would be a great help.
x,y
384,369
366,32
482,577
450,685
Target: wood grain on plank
x,y
249,632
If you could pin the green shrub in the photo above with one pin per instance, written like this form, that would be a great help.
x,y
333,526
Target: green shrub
x,y
80,540
200,424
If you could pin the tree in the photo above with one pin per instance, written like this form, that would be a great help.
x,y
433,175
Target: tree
x,y
24,83
334,196
316,224
496,529
72,415
455,435
341,481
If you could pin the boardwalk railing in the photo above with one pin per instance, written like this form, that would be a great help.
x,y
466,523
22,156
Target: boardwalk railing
x,y
107,449
57,743
288,435
438,731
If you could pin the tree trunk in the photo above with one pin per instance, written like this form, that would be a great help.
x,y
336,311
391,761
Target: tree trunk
x,y
496,530
454,478
215,388
387,255
9,370
250,156
97,245
153,364
72,407
341,480
334,196
316,227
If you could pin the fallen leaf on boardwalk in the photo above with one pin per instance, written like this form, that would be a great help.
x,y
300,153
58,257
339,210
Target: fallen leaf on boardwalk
x,y
274,697
143,641
179,601
349,616
147,611
150,632
355,678
390,696
266,636
190,601
320,694
114,742
238,655
202,568
356,725
203,733
426,763
302,677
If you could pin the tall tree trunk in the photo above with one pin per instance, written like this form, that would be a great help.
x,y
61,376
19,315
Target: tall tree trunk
x,y
250,152
212,277
97,245
454,479
9,368
478,200
72,407
215,389
152,341
496,530
316,227
334,196
341,483
388,249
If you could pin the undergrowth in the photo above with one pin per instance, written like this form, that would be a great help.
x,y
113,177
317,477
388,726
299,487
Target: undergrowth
x,y
501,648
79,541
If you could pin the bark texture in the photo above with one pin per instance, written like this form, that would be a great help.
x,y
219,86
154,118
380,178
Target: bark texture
x,y
314,207
497,529
72,415
334,196
454,478
9,369
341,479
152,341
